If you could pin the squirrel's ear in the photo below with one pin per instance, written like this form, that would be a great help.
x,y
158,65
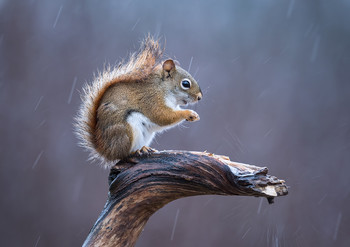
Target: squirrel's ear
x,y
168,67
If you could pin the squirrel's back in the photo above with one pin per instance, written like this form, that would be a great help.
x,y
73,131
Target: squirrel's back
x,y
137,68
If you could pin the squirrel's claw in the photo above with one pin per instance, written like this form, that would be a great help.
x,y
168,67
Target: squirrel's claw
x,y
143,151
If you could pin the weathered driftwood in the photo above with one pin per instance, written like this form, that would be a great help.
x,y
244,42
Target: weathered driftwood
x,y
144,184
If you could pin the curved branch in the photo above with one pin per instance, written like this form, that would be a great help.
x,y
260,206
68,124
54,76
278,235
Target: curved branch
x,y
144,184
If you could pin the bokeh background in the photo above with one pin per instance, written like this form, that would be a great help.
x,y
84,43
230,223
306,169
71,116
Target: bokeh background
x,y
276,83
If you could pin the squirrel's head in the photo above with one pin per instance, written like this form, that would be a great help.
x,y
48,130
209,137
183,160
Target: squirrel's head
x,y
182,87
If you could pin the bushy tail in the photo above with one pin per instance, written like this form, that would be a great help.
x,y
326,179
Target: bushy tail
x,y
138,66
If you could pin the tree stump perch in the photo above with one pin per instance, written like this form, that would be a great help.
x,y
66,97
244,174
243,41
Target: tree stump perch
x,y
143,184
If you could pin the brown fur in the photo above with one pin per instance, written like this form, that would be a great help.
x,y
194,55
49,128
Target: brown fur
x,y
150,52
143,88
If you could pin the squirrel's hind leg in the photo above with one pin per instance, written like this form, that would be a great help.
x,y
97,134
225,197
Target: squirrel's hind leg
x,y
115,141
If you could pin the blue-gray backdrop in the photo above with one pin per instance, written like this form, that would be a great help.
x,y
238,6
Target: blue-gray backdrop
x,y
276,82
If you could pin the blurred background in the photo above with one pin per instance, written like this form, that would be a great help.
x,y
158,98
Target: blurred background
x,y
275,77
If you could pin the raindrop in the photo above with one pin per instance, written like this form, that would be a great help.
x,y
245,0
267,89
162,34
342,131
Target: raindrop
x,y
173,231
133,27
315,49
260,204
71,91
335,235
246,232
296,233
290,8
58,16
308,30
236,141
322,199
157,31
276,241
207,202
233,211
37,159
268,132
267,235
235,59
77,189
267,60
42,123
37,241
189,66
37,105
195,73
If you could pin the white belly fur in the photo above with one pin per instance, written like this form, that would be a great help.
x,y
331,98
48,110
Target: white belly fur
x,y
143,130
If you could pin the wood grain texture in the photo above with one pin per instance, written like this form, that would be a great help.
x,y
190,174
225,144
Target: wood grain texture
x,y
144,184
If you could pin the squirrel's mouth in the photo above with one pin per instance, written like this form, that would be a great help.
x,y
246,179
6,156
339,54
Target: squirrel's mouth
x,y
185,102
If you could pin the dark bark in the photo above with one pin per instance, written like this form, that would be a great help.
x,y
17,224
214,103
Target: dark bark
x,y
142,185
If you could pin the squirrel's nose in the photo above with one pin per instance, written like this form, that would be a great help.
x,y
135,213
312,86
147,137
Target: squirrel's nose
x,y
199,96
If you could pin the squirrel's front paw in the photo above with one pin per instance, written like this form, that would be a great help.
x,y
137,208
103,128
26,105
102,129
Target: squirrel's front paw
x,y
192,116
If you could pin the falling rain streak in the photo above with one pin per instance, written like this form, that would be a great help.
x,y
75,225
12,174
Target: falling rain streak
x,y
235,140
37,241
57,17
246,232
315,49
308,31
37,104
37,159
268,133
275,78
322,199
335,235
157,30
195,73
260,204
235,59
207,202
189,66
42,123
290,8
132,29
175,222
72,90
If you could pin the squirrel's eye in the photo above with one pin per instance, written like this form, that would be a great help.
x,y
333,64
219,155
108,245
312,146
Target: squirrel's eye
x,y
185,84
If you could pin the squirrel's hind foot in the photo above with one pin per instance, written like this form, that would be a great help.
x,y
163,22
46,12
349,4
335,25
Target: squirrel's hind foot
x,y
143,151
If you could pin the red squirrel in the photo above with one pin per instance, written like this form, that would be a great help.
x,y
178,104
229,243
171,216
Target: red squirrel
x,y
125,106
